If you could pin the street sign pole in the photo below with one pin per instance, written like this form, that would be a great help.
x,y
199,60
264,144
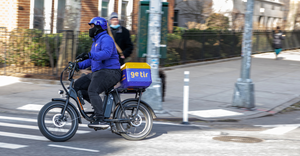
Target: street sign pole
x,y
244,88
152,95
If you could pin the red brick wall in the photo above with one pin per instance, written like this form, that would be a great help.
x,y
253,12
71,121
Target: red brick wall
x,y
116,6
171,15
23,14
8,14
89,9
135,16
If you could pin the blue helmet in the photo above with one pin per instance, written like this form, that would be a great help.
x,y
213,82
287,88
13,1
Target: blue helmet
x,y
99,21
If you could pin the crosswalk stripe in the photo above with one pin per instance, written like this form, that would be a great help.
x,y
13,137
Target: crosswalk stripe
x,y
31,120
23,136
11,146
19,119
74,148
36,128
279,130
31,107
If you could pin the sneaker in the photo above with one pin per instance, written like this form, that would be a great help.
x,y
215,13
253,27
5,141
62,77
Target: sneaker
x,y
99,124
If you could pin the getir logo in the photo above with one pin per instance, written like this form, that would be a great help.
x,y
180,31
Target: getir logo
x,y
138,74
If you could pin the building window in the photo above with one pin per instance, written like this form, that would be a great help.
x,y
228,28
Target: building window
x,y
175,23
124,13
104,9
61,5
273,7
124,10
38,19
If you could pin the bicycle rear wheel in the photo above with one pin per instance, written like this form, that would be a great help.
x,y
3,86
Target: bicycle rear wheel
x,y
142,124
52,126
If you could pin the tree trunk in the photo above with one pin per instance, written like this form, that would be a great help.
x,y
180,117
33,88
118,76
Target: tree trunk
x,y
68,45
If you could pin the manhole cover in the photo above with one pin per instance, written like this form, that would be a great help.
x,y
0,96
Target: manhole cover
x,y
238,139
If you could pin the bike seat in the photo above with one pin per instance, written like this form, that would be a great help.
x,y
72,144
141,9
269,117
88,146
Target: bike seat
x,y
109,89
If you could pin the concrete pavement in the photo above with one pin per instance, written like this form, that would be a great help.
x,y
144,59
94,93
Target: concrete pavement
x,y
277,86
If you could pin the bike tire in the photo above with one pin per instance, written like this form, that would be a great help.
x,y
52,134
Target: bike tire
x,y
148,118
42,122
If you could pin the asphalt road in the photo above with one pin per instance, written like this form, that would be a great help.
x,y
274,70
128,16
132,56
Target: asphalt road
x,y
273,135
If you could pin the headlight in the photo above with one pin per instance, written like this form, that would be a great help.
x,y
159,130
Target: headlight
x,y
60,92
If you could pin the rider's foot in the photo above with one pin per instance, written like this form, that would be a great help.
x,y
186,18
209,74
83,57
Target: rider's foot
x,y
99,123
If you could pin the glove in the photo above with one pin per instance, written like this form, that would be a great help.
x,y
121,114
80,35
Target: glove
x,y
83,56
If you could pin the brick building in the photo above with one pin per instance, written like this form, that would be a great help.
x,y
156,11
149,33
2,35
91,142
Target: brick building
x,y
50,14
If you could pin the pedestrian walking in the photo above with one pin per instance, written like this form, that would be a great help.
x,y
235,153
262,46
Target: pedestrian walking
x,y
277,40
122,38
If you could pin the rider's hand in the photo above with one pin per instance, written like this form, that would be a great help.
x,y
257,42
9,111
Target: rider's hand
x,y
83,56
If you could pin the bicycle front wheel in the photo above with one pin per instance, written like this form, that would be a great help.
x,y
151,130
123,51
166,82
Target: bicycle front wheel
x,y
141,125
53,126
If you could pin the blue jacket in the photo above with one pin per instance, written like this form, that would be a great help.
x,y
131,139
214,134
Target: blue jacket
x,y
103,54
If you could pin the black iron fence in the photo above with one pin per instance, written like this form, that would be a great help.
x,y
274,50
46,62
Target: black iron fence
x,y
210,45
36,52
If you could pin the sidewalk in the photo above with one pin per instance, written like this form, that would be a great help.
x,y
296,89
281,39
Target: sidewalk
x,y
277,86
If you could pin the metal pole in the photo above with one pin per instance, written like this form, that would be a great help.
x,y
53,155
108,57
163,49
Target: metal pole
x,y
153,92
244,88
186,98
5,52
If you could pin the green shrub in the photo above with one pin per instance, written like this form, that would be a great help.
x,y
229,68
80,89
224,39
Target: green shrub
x,y
84,43
30,46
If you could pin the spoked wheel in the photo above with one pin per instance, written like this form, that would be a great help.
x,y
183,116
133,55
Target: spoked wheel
x,y
53,126
140,127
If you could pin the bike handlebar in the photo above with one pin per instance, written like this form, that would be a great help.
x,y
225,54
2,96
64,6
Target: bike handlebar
x,y
72,67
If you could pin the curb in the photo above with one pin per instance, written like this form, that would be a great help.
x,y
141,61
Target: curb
x,y
43,81
200,63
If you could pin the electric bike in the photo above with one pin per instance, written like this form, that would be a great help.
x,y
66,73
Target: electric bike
x,y
131,118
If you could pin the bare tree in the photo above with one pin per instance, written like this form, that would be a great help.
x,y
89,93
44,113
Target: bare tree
x,y
71,26
196,11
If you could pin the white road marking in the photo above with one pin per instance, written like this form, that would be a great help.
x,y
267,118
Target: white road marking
x,y
37,128
18,119
31,107
23,136
279,129
31,120
11,146
74,148
214,113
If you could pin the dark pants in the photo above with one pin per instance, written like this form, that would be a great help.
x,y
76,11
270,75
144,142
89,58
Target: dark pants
x,y
93,84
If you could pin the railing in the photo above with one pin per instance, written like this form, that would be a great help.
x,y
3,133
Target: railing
x,y
29,52
211,45
36,52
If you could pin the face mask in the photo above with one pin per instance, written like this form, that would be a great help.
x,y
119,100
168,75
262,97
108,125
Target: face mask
x,y
115,26
92,32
